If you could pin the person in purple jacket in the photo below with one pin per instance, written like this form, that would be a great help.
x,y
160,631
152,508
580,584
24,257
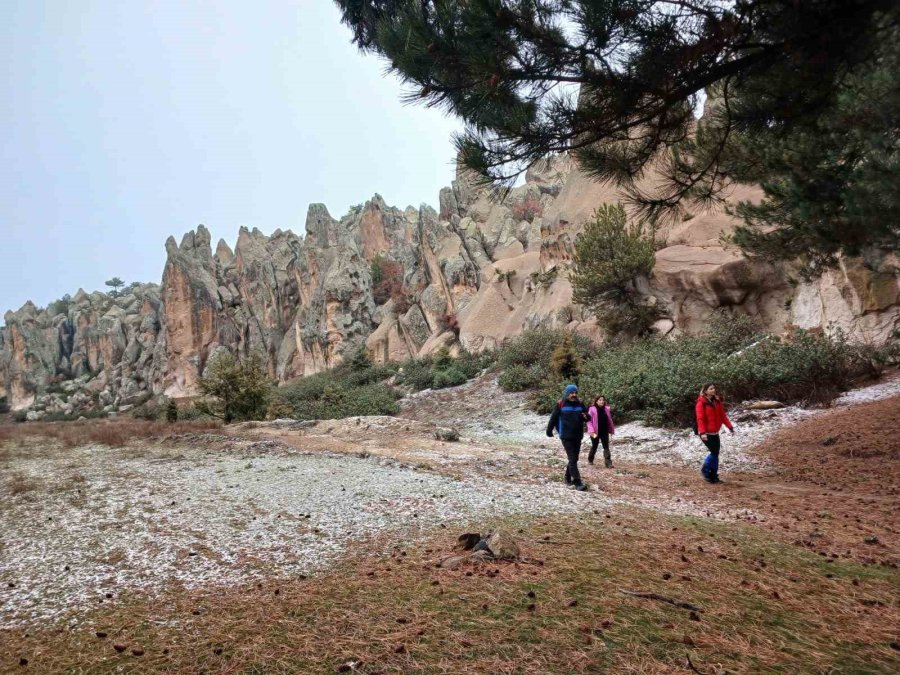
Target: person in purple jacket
x,y
600,427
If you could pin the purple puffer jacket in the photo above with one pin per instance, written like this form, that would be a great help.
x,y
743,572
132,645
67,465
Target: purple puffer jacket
x,y
593,420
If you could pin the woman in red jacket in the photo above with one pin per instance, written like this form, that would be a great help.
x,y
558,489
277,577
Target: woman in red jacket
x,y
711,416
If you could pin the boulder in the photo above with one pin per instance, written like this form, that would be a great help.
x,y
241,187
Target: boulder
x,y
445,434
502,545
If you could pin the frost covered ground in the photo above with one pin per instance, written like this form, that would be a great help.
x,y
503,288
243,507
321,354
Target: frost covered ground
x,y
481,410
82,526
94,521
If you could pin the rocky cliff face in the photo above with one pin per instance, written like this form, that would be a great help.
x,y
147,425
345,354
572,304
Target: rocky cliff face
x,y
473,274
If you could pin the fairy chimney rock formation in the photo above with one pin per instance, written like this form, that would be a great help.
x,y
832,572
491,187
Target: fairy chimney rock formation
x,y
471,274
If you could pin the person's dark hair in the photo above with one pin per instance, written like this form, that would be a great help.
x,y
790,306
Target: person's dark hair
x,y
706,388
598,397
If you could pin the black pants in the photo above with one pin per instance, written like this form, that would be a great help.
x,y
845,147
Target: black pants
x,y
573,449
711,464
602,437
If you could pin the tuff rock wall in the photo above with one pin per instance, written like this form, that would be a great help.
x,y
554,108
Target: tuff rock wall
x,y
474,273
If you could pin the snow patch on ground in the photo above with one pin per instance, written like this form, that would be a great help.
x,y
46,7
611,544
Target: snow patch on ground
x,y
489,414
886,389
101,521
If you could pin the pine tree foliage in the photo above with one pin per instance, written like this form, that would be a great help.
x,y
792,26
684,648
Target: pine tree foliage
x,y
565,363
610,255
234,390
360,360
171,411
616,83
832,183
115,284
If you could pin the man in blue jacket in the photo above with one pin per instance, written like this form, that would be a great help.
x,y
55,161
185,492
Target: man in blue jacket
x,y
568,420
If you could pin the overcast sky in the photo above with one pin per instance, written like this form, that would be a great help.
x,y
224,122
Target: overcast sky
x,y
125,121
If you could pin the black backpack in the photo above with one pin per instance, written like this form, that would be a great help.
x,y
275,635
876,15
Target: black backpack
x,y
694,417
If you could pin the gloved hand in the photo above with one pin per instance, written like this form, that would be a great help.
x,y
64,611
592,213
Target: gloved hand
x,y
549,434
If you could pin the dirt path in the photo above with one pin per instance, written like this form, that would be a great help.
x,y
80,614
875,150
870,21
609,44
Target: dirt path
x,y
827,480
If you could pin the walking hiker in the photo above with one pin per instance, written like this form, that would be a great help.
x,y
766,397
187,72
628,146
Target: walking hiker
x,y
568,420
600,427
710,414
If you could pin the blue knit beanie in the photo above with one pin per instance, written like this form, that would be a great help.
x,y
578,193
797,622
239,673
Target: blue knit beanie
x,y
570,388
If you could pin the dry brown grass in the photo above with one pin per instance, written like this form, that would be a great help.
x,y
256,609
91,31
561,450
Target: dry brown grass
x,y
18,483
853,447
114,433
763,606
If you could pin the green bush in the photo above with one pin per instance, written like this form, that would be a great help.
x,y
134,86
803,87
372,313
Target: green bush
x,y
147,411
335,400
565,362
546,396
807,367
191,412
875,359
346,391
536,346
416,373
171,411
370,375
233,389
658,380
450,377
60,306
527,362
442,370
473,363
519,378
360,360
442,359
307,388
650,378
610,255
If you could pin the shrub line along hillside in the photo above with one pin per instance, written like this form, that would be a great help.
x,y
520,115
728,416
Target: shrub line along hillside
x,y
658,379
360,387
655,379
652,378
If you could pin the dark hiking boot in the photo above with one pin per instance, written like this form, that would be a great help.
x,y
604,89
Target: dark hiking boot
x,y
608,464
715,479
707,477
581,487
591,457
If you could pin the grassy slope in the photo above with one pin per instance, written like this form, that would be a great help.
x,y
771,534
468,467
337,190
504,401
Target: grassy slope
x,y
764,606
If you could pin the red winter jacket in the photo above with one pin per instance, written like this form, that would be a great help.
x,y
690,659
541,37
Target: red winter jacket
x,y
710,415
